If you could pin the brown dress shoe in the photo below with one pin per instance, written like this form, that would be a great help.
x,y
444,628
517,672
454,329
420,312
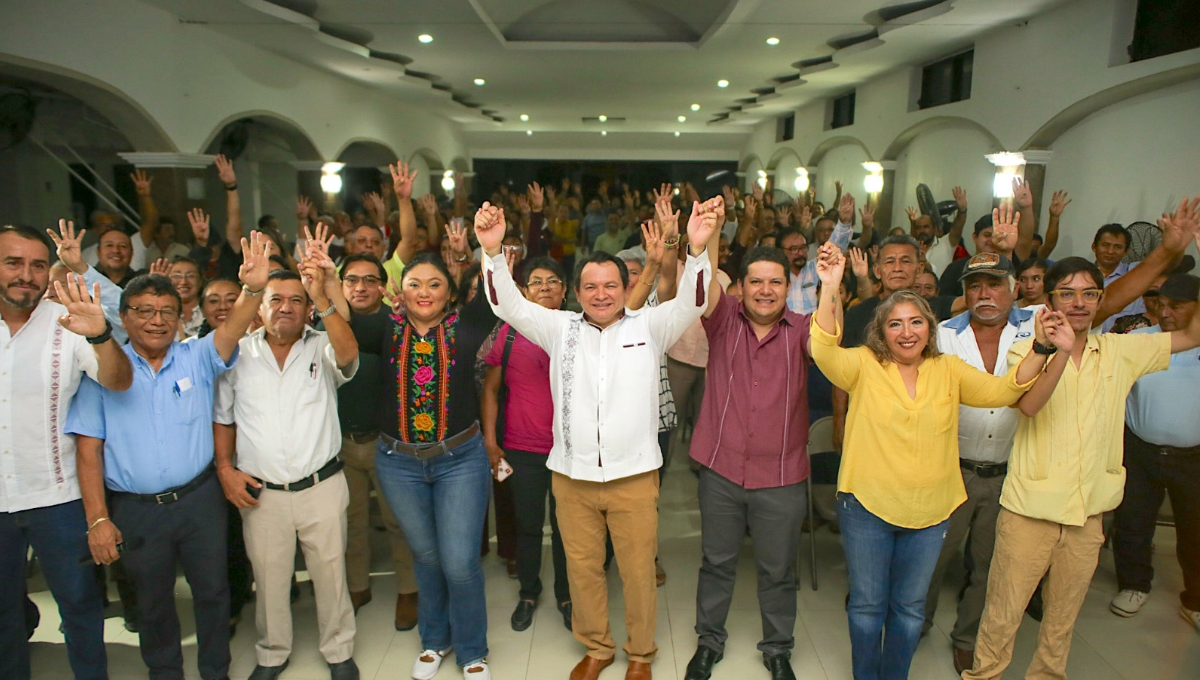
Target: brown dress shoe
x,y
589,668
964,659
638,670
406,611
360,599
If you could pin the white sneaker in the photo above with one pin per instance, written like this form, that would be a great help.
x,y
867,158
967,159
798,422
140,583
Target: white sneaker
x,y
1128,603
426,666
477,671
1190,616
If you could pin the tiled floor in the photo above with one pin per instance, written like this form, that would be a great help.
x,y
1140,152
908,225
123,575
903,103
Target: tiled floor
x,y
1156,644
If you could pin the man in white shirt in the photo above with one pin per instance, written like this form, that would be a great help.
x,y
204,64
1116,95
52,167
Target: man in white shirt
x,y
280,405
980,336
605,458
941,247
100,223
45,349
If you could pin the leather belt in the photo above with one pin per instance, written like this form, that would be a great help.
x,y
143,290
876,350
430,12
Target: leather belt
x,y
362,437
1163,449
984,470
172,495
435,449
330,469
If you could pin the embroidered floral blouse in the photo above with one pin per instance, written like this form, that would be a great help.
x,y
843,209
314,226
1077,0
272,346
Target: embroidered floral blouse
x,y
429,380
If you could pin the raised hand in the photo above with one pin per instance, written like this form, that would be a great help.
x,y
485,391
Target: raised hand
x,y
831,265
303,208
456,233
318,256
727,193
489,228
837,187
1180,227
1058,203
1022,196
749,204
846,209
428,205
402,180
913,214
256,261
373,203
668,220
757,191
198,220
537,197
1004,227
783,215
1052,328
523,204
960,197
225,170
805,218
312,276
161,267
85,315
320,240
68,245
859,264
653,236
703,221
141,182
867,213
551,197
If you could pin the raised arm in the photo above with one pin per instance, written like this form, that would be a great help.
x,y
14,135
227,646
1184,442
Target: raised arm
x,y
85,316
1023,201
867,213
668,221
253,273
326,294
652,235
538,324
68,246
1058,203
233,205
844,229
861,266
954,236
670,319
402,186
149,211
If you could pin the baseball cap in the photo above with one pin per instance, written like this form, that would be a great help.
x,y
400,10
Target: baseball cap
x,y
1182,287
991,264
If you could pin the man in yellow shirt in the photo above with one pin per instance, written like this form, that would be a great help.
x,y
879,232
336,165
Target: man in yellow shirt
x,y
1066,469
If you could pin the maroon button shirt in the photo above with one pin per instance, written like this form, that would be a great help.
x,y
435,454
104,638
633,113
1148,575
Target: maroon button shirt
x,y
753,424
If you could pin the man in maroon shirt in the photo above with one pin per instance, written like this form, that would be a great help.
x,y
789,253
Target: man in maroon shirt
x,y
750,438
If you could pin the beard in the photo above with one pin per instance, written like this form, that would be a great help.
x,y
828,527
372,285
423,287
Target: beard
x,y
22,302
799,262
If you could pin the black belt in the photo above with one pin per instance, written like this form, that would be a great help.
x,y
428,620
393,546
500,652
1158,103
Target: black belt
x,y
1163,449
331,468
984,470
427,451
362,437
172,495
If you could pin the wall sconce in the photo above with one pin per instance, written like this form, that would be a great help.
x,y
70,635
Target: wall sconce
x,y
1008,165
448,182
873,182
331,181
801,180
762,179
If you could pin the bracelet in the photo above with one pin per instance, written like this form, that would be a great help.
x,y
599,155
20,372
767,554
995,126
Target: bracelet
x,y
1044,350
102,519
247,291
231,187
103,337
672,242
327,312
463,259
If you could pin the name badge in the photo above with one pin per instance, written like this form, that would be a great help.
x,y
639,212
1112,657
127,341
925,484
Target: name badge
x,y
182,385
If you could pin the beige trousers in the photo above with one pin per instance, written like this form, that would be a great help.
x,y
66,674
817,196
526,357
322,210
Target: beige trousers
x,y
1025,549
628,510
317,516
360,478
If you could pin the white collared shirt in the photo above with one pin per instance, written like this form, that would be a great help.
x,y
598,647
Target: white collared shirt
x,y
605,382
986,434
40,370
287,421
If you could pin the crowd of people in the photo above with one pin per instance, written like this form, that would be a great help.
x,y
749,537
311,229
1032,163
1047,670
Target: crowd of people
x,y
205,400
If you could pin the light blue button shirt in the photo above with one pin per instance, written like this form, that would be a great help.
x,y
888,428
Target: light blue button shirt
x,y
1162,407
110,302
158,434
802,289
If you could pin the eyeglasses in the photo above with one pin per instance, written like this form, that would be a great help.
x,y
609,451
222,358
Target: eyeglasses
x,y
147,313
189,276
548,283
795,249
1067,295
368,281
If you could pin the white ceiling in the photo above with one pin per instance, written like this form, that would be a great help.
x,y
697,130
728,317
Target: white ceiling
x,y
646,61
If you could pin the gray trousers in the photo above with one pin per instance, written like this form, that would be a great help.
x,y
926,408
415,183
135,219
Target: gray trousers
x,y
773,518
977,516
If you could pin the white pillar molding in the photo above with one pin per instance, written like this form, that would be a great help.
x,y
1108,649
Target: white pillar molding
x,y
142,159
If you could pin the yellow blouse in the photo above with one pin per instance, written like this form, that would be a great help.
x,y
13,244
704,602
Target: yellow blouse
x,y
900,455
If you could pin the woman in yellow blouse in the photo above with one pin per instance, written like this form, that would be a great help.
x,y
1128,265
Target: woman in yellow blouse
x,y
899,480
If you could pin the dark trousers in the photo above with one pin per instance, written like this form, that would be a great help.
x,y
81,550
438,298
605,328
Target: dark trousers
x,y
240,573
1149,474
530,485
190,532
773,518
58,534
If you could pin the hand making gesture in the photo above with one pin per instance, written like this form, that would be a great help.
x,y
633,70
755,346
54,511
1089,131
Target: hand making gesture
x,y
68,246
85,315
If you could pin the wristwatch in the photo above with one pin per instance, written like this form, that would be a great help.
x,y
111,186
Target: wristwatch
x,y
327,312
103,337
247,291
1045,350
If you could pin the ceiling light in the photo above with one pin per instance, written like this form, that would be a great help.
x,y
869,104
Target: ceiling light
x,y
722,83
801,180
480,81
529,132
331,181
425,38
603,118
448,182
772,41
873,167
524,117
604,133
677,133
695,107
681,119
873,184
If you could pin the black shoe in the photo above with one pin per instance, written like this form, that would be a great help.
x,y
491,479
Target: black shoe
x,y
268,672
346,670
565,609
522,617
780,666
701,665
132,624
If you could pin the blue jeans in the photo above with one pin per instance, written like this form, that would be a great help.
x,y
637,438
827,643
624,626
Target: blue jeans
x,y
890,568
58,534
441,504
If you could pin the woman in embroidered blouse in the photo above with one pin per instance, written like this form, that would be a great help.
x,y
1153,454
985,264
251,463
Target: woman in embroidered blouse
x,y
899,479
431,460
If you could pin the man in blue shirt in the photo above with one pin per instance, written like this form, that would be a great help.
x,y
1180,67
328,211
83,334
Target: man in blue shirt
x,y
152,447
1162,455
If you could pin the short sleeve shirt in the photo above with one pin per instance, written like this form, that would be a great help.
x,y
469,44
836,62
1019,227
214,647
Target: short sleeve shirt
x,y
529,406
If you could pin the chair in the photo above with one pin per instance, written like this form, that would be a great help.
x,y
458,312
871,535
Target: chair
x,y
820,440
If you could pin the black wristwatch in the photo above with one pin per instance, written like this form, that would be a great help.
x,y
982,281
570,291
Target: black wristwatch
x,y
103,337
1046,350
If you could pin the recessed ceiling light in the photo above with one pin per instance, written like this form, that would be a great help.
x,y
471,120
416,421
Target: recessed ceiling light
x,y
772,41
425,38
604,133
603,118
528,132
480,81
681,119
524,116
695,107
677,133
722,83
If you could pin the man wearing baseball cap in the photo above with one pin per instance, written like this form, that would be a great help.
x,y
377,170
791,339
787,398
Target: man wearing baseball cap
x,y
1162,455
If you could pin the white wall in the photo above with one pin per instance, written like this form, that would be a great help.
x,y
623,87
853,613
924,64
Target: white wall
x,y
943,159
841,164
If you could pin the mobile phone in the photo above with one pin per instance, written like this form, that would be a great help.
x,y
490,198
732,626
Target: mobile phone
x,y
503,470
254,491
